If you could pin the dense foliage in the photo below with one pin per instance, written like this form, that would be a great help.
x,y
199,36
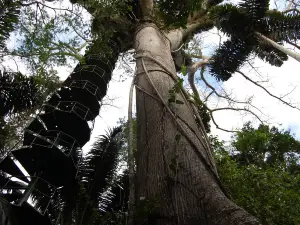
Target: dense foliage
x,y
249,17
17,92
20,97
260,170
9,16
100,192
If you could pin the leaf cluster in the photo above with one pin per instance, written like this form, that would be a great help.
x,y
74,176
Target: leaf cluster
x,y
261,173
204,115
174,91
38,42
241,24
266,146
17,92
9,17
175,13
98,195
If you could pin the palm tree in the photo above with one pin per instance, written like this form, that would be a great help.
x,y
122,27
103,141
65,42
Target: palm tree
x,y
20,96
98,188
98,171
252,28
98,194
17,92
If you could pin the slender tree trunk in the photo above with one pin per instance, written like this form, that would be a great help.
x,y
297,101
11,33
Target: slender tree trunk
x,y
290,53
176,183
131,200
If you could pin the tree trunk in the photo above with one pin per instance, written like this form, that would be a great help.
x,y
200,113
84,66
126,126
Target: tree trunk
x,y
176,183
290,53
131,174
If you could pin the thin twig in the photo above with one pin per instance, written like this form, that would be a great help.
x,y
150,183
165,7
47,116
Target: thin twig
x,y
236,109
269,93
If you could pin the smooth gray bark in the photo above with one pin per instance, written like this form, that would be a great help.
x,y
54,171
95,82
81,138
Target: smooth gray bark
x,y
174,184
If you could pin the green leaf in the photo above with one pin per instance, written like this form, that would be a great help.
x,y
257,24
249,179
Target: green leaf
x,y
281,27
255,9
184,70
229,58
179,85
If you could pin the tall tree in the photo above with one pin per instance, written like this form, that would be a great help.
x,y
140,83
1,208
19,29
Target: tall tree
x,y
176,178
174,161
260,171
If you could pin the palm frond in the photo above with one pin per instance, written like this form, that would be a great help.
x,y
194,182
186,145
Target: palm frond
x,y
117,199
230,20
17,92
229,58
270,54
281,27
115,204
100,164
255,9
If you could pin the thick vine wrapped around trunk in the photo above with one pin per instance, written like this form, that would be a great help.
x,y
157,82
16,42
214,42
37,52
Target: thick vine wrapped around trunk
x,y
176,181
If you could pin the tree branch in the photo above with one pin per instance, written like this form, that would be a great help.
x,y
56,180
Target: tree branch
x,y
237,109
293,44
220,128
179,36
291,10
75,30
218,94
269,93
290,53
146,7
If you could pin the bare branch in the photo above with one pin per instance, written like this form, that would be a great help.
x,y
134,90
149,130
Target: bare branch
x,y
220,128
219,95
49,7
237,109
293,44
269,93
191,76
